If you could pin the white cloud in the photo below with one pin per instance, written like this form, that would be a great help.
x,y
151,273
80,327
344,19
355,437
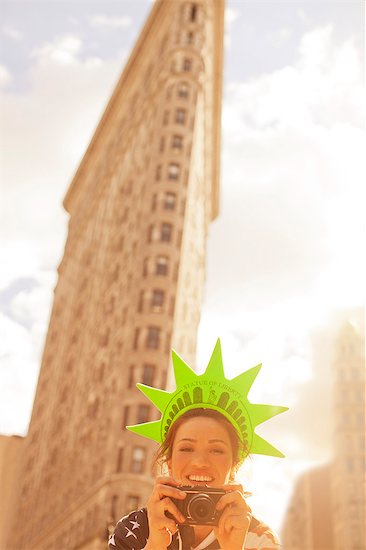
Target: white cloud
x,y
110,21
231,16
19,368
5,76
12,33
48,127
63,49
285,251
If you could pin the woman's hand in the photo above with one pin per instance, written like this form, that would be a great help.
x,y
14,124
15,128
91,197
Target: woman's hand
x,y
234,521
161,527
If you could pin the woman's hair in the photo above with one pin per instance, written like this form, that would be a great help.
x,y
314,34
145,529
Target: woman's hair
x,y
164,452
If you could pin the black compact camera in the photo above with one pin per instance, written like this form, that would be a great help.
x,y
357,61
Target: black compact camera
x,y
199,506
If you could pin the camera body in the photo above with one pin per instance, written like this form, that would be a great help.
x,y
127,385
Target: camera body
x,y
199,506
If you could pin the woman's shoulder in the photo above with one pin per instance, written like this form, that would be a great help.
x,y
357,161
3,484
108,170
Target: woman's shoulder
x,y
131,531
261,536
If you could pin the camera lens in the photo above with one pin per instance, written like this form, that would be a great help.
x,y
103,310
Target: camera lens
x,y
201,508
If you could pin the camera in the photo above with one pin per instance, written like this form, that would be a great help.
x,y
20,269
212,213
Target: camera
x,y
199,506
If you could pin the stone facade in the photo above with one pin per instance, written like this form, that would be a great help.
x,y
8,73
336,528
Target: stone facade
x,y
130,283
11,449
349,467
327,510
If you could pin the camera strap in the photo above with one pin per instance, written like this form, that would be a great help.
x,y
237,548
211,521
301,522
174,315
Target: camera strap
x,y
187,536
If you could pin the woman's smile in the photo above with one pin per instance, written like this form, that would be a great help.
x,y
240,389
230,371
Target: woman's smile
x,y
202,453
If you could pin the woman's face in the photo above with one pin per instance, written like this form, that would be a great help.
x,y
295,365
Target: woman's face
x,y
201,453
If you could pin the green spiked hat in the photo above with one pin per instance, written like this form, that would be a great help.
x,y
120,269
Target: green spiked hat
x,y
211,390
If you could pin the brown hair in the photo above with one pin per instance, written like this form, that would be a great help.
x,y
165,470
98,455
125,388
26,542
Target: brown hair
x,y
238,448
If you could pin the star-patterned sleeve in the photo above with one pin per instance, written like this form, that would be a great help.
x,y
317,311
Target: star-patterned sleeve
x,y
131,532
261,537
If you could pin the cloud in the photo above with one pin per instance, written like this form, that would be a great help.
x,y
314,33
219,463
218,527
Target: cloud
x,y
5,76
47,126
231,16
12,33
291,152
110,21
19,369
63,49
285,250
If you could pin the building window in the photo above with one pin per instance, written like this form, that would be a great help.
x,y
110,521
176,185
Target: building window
x,y
187,64
173,171
180,116
157,299
169,91
153,337
136,338
162,145
140,306
143,414
194,12
119,460
158,173
148,373
126,414
161,266
131,378
150,233
183,90
138,460
132,502
166,232
170,200
190,38
153,202
145,267
166,118
177,142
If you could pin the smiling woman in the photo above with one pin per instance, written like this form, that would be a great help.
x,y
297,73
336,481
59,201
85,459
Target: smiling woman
x,y
196,504
202,455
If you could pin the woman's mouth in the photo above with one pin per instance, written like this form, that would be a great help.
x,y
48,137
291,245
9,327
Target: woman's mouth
x,y
200,479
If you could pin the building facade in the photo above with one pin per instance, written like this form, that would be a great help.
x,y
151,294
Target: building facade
x,y
348,478
11,450
327,510
130,282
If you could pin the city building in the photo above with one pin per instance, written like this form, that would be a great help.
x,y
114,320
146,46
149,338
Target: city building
x,y
327,509
309,522
348,479
130,282
11,449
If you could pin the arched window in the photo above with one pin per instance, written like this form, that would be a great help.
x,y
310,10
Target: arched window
x,y
183,90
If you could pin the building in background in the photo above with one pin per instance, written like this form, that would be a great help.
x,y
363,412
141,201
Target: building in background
x,y
130,282
11,449
348,477
327,510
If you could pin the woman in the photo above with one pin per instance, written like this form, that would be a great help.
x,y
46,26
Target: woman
x,y
201,449
204,442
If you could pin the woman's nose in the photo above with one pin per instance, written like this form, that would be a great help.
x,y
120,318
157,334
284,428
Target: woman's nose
x,y
199,459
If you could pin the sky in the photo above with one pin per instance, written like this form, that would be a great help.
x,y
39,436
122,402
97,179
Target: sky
x,y
285,263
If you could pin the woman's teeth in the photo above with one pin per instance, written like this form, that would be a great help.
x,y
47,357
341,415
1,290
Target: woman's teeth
x,y
200,478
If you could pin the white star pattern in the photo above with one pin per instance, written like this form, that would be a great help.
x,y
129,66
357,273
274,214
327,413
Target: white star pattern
x,y
129,533
111,540
135,524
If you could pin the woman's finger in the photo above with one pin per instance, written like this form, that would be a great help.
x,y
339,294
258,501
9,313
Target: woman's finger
x,y
166,505
161,490
227,521
167,480
234,497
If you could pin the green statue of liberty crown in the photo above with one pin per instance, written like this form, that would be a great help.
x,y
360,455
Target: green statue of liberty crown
x,y
211,390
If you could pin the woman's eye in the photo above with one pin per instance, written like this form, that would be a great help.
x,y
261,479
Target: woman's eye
x,y
186,449
218,451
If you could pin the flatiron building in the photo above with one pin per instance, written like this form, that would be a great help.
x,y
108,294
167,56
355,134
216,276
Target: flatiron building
x,y
130,282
